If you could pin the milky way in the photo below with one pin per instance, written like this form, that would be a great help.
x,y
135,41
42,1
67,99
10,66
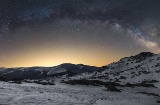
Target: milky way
x,y
92,32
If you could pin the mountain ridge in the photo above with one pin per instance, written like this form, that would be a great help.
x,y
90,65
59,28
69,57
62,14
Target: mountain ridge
x,y
127,69
143,68
43,72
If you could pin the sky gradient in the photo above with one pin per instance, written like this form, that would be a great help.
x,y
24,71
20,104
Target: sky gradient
x,y
91,32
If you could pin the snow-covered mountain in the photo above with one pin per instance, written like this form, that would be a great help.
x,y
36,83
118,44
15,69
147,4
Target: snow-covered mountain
x,y
44,72
141,68
130,81
144,67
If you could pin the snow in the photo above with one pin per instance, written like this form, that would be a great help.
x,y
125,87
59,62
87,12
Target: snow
x,y
132,71
135,69
63,94
56,71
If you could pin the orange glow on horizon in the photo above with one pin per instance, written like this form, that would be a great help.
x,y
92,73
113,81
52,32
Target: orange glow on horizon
x,y
49,58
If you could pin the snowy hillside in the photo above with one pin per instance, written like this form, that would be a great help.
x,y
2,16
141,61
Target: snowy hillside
x,y
141,68
132,80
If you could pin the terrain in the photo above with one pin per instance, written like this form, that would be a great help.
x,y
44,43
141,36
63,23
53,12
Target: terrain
x,y
130,81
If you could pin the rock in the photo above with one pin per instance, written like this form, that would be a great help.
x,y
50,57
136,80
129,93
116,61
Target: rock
x,y
129,85
112,88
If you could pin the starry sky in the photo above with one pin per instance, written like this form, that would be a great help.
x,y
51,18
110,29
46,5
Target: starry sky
x,y
91,32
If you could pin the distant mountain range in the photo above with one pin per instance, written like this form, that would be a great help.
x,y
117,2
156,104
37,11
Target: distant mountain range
x,y
44,72
143,68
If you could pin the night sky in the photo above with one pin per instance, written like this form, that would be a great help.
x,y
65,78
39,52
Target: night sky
x,y
91,32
